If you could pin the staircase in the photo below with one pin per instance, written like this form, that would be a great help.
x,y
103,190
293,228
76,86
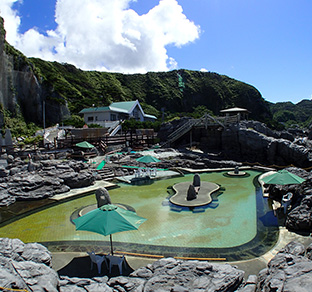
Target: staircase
x,y
114,129
106,173
206,120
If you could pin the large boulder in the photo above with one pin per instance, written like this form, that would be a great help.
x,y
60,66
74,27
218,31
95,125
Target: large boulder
x,y
289,271
46,178
16,250
26,266
176,275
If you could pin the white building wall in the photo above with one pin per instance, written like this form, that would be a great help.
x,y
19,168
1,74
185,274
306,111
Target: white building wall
x,y
93,118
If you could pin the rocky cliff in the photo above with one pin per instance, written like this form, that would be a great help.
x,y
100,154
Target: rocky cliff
x,y
247,141
21,90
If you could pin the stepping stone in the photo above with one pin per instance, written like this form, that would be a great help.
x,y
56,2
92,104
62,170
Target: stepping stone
x,y
213,205
176,208
198,210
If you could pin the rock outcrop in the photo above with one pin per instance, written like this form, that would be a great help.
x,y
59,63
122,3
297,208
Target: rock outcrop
x,y
249,141
21,91
41,179
290,270
28,266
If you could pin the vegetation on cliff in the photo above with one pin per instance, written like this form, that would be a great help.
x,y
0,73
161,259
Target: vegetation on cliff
x,y
174,92
291,115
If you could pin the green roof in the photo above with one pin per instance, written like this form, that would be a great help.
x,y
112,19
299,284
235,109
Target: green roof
x,y
94,109
124,105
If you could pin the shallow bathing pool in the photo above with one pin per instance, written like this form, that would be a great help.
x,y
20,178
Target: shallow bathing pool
x,y
238,226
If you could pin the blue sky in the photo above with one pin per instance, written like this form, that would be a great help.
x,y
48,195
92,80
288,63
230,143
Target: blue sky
x,y
267,44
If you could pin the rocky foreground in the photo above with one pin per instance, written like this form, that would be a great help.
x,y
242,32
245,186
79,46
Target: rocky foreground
x,y
28,267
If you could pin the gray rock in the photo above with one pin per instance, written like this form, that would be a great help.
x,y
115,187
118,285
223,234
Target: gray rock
x,y
191,193
16,250
78,179
102,197
193,275
127,284
289,271
4,172
309,252
47,178
196,180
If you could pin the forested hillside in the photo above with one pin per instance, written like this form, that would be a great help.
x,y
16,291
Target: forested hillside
x,y
293,114
175,91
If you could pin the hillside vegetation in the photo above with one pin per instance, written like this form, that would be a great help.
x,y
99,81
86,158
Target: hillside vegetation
x,y
29,83
175,92
290,114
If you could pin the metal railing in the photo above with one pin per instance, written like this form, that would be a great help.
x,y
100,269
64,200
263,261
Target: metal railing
x,y
205,120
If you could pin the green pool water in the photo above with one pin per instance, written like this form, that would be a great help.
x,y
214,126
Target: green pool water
x,y
233,223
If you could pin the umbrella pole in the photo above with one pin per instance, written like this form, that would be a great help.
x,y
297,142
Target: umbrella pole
x,y
111,242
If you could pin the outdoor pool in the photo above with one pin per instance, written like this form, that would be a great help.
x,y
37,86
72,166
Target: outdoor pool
x,y
241,225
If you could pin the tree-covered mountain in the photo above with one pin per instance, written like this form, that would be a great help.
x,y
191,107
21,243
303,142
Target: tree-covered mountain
x,y
175,91
293,114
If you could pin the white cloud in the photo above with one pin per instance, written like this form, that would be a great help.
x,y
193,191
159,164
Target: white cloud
x,y
106,35
203,70
12,20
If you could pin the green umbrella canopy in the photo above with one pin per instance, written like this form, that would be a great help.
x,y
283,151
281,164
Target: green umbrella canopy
x,y
147,159
109,219
84,144
283,177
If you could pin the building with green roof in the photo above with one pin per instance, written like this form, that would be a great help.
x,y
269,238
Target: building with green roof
x,y
116,111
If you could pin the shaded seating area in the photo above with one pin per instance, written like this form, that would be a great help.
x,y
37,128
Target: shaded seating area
x,y
98,260
116,261
145,172
110,261
93,266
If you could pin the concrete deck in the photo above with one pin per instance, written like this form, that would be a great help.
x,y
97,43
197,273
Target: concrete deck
x,y
203,195
75,192
251,267
160,174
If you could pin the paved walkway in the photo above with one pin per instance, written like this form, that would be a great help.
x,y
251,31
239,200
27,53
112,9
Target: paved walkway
x,y
159,175
251,267
76,192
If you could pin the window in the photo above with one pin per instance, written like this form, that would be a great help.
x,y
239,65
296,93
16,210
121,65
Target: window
x,y
113,117
90,119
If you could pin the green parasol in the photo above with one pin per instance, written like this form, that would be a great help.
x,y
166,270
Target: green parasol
x,y
283,177
109,219
85,144
147,159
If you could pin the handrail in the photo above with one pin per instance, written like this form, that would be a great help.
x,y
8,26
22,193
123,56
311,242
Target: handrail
x,y
187,126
